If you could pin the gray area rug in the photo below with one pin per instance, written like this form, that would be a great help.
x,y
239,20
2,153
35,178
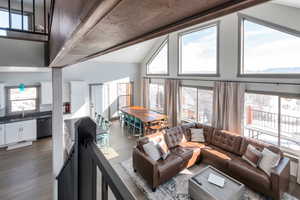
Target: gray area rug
x,y
177,187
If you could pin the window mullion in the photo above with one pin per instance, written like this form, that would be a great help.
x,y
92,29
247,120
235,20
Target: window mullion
x,y
279,120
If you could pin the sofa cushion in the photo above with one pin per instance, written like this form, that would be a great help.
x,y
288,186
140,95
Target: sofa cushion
x,y
169,167
226,140
175,136
197,135
269,161
152,151
217,157
252,156
207,130
186,129
248,174
258,145
157,137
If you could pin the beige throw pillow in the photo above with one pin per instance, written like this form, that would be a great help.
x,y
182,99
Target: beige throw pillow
x,y
152,151
252,156
163,148
269,160
197,135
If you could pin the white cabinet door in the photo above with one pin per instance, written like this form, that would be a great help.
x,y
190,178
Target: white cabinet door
x,y
2,135
28,130
79,98
2,96
46,92
12,133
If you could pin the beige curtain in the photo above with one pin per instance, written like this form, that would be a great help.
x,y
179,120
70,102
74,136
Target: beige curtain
x,y
228,106
172,101
146,85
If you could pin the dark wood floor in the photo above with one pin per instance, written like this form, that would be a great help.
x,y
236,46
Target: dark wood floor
x,y
26,173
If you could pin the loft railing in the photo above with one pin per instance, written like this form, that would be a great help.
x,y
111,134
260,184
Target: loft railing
x,y
78,178
25,17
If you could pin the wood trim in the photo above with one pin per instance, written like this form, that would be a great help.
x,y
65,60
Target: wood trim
x,y
219,11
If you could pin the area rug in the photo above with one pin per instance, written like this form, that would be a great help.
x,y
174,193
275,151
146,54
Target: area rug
x,y
177,187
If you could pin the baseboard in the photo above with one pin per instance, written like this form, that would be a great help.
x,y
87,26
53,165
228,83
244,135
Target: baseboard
x,y
19,145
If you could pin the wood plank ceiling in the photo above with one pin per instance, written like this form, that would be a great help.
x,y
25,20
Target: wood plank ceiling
x,y
104,26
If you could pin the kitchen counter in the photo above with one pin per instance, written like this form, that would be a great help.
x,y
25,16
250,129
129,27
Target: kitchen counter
x,y
28,116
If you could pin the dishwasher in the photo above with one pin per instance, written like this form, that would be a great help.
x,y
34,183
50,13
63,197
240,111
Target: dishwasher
x,y
44,127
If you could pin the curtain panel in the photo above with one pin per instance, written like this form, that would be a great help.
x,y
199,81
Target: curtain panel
x,y
228,106
172,101
146,91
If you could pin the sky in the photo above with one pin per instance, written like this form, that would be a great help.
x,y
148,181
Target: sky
x,y
266,49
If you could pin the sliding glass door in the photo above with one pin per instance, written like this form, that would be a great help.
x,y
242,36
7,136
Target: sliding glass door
x,y
273,119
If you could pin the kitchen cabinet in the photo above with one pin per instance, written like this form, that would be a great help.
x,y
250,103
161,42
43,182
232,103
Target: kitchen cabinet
x,y
2,96
46,92
20,131
2,136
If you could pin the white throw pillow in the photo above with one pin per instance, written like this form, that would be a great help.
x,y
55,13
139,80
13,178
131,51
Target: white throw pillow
x,y
152,151
268,161
197,135
163,149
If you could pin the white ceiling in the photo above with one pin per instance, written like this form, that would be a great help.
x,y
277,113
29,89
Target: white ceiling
x,y
133,54
291,3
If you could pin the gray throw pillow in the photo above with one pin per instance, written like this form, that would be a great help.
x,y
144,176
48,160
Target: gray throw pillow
x,y
252,156
197,135
268,161
152,151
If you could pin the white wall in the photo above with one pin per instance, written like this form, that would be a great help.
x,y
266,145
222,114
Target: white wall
x,y
228,47
22,53
228,57
96,72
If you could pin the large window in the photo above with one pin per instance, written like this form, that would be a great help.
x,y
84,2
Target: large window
x,y
158,64
157,97
273,119
16,19
199,51
196,104
125,94
20,100
268,49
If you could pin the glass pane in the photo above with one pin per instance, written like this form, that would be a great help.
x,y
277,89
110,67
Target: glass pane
x,y
157,97
124,101
28,93
159,64
189,104
124,88
26,105
4,19
16,17
261,117
205,106
199,52
290,123
268,51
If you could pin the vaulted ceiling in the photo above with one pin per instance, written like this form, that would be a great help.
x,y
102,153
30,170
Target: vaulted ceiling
x,y
83,29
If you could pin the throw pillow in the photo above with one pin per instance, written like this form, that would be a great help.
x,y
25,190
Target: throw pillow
x,y
252,156
197,135
163,148
269,160
152,151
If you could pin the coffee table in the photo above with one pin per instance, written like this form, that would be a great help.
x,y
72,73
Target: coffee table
x,y
201,189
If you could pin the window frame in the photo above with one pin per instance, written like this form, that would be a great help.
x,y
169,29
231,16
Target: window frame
x,y
9,102
153,56
197,99
199,28
18,12
241,19
130,95
279,95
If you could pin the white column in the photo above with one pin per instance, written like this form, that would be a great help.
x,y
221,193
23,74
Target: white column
x,y
57,125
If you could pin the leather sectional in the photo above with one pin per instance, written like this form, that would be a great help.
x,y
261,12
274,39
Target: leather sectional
x,y
222,149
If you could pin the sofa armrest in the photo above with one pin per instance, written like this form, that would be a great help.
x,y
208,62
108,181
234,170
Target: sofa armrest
x,y
280,176
146,167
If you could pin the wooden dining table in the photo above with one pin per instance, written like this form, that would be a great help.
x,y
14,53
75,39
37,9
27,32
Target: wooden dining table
x,y
145,115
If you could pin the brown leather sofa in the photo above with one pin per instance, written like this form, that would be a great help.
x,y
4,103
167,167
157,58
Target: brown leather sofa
x,y
222,150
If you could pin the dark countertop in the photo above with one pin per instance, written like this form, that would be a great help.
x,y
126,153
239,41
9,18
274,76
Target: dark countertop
x,y
28,116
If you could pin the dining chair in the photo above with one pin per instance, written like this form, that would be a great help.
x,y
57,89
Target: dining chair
x,y
138,127
122,118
